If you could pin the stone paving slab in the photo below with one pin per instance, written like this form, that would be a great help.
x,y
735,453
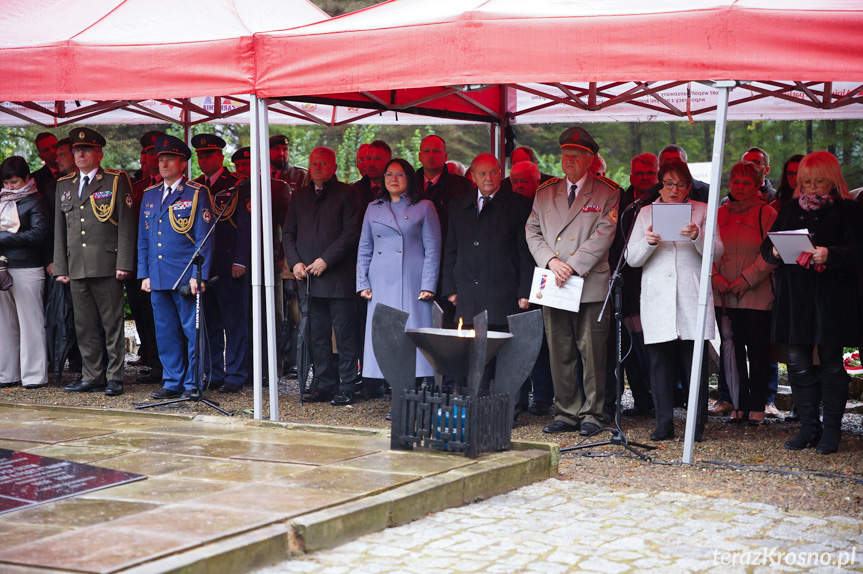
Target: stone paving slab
x,y
227,495
559,526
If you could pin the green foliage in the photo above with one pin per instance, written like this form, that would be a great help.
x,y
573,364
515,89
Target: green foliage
x,y
339,7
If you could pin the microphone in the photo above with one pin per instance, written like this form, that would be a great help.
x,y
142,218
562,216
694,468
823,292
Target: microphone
x,y
645,199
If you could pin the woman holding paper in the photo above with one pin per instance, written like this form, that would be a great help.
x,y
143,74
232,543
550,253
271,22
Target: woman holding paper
x,y
669,295
742,287
817,297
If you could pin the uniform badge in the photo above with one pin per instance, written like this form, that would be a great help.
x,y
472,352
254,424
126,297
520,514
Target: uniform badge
x,y
205,213
98,177
591,209
103,195
67,195
612,215
81,135
129,199
249,205
149,205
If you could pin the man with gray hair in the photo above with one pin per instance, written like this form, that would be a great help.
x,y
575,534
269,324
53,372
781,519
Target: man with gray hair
x,y
525,178
700,190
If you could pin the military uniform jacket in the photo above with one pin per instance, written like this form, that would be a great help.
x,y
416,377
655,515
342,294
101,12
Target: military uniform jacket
x,y
579,235
233,233
94,236
164,251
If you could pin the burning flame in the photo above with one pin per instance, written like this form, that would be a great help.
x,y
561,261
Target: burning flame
x,y
471,333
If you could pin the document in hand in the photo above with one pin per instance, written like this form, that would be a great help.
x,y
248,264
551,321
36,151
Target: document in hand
x,y
790,244
670,218
544,291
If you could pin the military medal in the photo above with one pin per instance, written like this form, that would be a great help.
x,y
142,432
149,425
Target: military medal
x,y
129,199
205,213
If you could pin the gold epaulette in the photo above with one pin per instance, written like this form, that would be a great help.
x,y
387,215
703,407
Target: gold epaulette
x,y
239,176
154,186
67,176
609,182
113,171
552,181
195,184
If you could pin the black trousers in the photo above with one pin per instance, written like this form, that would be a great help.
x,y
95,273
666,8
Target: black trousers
x,y
751,337
670,362
325,317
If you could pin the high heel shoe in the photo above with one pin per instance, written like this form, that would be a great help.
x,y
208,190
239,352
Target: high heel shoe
x,y
756,418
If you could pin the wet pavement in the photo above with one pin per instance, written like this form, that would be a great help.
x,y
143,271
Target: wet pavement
x,y
243,492
558,526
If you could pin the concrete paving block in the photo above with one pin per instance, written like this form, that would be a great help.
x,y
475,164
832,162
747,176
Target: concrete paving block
x,y
333,526
432,494
503,472
243,553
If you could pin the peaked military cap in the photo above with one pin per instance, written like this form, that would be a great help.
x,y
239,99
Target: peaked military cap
x,y
241,154
149,138
173,146
279,140
207,142
86,137
578,138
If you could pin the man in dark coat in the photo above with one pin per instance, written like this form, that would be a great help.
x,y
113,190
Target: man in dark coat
x,y
487,265
642,177
280,164
46,147
225,301
321,237
700,190
378,155
440,187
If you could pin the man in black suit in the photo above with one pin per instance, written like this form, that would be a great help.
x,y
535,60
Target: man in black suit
x,y
378,155
700,190
46,147
487,265
321,237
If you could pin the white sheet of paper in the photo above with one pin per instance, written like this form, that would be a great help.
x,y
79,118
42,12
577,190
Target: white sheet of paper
x,y
790,244
544,291
670,218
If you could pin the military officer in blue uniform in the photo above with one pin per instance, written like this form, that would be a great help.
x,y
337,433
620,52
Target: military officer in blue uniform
x,y
175,217
226,300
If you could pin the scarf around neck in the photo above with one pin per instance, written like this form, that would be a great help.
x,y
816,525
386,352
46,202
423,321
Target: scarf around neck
x,y
9,220
815,202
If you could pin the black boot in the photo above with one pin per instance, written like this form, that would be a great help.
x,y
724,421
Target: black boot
x,y
810,429
833,402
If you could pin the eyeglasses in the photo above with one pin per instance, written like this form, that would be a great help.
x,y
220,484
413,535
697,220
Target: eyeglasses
x,y
399,175
681,185
644,173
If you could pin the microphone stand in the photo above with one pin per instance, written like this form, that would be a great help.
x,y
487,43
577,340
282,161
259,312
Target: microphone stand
x,y
198,261
618,438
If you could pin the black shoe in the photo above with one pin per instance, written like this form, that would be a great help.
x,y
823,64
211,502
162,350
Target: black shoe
x,y
559,427
343,399
636,412
165,394
193,394
85,387
7,385
230,388
588,429
137,361
291,373
318,397
539,409
115,388
662,434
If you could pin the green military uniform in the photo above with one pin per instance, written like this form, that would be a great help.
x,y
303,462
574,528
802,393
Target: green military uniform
x,y
94,238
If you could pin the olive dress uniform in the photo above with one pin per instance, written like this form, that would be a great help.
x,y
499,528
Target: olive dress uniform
x,y
94,237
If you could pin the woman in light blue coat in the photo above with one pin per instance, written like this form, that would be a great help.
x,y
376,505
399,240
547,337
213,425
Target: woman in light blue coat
x,y
399,258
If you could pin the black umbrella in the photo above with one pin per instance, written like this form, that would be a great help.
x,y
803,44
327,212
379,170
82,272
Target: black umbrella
x,y
304,339
59,325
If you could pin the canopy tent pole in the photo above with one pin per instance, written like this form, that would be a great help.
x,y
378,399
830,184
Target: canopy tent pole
x,y
725,88
269,280
256,258
186,118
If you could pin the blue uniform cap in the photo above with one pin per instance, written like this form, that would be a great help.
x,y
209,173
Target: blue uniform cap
x,y
173,146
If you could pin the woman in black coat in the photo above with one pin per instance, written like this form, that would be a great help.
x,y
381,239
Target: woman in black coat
x,y
23,232
817,301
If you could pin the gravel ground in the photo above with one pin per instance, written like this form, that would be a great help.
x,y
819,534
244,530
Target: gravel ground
x,y
734,461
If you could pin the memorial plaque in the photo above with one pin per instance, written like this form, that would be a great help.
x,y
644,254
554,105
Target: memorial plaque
x,y
27,479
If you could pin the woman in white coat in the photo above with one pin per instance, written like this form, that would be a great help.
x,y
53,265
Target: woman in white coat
x,y
669,297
